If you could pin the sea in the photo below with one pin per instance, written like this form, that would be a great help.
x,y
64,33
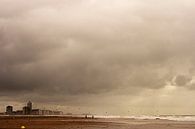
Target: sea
x,y
141,117
163,117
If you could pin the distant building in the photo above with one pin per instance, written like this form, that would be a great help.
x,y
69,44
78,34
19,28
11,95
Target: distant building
x,y
58,112
29,105
45,112
9,110
18,112
36,112
28,110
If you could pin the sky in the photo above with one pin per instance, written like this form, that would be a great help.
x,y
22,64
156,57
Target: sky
x,y
106,57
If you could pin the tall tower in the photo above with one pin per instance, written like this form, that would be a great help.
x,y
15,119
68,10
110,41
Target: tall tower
x,y
29,105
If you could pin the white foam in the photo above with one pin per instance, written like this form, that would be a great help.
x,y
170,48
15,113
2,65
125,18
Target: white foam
x,y
175,118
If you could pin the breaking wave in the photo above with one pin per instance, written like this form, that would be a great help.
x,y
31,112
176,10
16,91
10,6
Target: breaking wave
x,y
164,117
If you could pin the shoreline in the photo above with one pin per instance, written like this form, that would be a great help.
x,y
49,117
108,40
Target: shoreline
x,y
189,118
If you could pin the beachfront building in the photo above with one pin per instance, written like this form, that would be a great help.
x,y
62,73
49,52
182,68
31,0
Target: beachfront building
x,y
28,110
9,110
29,105
45,112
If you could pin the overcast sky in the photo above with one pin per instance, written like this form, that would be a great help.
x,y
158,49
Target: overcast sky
x,y
116,57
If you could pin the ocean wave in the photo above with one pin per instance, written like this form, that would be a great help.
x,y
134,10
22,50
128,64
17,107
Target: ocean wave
x,y
168,117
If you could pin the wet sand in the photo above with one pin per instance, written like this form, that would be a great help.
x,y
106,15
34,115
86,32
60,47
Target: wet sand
x,y
10,122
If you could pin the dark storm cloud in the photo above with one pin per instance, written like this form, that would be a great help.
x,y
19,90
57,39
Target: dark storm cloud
x,y
182,80
93,47
187,81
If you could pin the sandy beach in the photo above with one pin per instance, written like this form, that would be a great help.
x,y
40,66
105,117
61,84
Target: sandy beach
x,y
10,122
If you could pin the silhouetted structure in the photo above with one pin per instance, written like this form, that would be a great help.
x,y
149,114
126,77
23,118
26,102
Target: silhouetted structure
x,y
29,105
28,110
9,110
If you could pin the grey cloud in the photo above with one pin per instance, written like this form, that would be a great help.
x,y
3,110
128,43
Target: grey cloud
x,y
182,80
76,48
